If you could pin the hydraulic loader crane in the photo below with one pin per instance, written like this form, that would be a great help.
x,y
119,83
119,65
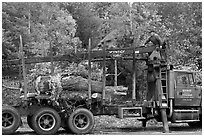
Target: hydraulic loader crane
x,y
156,60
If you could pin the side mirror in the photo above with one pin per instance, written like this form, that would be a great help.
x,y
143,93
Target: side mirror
x,y
199,83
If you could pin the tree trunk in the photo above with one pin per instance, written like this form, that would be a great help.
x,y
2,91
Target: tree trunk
x,y
78,83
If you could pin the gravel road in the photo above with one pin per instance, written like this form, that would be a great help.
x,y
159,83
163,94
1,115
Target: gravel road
x,y
113,126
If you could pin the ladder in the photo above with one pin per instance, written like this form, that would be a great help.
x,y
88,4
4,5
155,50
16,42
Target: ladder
x,y
164,87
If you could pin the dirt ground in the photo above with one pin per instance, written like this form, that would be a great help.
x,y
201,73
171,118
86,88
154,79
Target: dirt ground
x,y
110,125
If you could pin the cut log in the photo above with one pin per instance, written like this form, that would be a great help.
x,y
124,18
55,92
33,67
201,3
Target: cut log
x,y
71,84
79,83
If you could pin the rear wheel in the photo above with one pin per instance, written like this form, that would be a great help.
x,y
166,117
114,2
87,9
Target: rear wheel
x,y
10,120
81,121
46,121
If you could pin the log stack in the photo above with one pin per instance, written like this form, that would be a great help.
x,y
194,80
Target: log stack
x,y
78,84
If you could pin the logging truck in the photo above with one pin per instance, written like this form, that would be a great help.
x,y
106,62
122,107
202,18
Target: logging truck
x,y
172,96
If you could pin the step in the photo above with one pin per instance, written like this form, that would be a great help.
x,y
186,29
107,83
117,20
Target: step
x,y
184,110
182,115
185,121
124,112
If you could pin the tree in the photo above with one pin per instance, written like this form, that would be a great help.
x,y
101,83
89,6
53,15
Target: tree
x,y
42,26
183,21
87,21
15,23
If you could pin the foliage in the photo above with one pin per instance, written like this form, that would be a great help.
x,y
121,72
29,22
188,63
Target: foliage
x,y
183,21
87,22
9,96
59,27
56,28
44,28
81,69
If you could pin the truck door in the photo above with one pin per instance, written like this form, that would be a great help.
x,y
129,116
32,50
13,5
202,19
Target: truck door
x,y
186,93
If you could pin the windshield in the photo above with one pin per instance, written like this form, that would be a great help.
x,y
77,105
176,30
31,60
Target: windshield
x,y
185,78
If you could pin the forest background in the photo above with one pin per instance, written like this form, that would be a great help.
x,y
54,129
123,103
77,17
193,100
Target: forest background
x,y
62,27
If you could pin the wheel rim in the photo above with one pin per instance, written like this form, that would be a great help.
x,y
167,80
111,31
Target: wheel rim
x,y
81,121
46,122
7,120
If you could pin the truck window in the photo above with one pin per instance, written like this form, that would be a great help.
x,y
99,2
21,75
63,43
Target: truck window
x,y
185,79
182,79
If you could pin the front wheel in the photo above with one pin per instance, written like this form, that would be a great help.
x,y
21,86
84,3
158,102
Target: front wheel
x,y
10,120
46,121
81,121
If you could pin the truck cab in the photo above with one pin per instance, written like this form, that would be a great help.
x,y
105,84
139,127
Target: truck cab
x,y
184,96
183,88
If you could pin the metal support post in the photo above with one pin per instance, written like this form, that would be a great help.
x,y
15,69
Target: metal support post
x,y
104,74
116,74
133,78
89,71
164,120
23,68
51,57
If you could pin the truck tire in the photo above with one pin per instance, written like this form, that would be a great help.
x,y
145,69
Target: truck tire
x,y
10,119
46,121
29,121
81,121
